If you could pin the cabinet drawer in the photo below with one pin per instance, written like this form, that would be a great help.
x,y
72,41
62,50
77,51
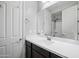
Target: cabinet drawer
x,y
28,43
40,50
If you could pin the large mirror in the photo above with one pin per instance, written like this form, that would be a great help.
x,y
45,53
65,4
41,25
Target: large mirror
x,y
56,24
59,20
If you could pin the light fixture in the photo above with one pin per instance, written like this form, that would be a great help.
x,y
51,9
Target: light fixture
x,y
48,3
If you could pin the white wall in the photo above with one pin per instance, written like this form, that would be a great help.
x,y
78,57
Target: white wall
x,y
30,12
39,21
44,22
47,22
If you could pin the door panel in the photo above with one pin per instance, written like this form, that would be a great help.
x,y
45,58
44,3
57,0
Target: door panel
x,y
2,52
14,49
9,21
13,20
2,29
2,21
16,22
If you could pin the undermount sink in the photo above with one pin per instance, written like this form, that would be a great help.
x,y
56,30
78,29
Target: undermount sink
x,y
46,42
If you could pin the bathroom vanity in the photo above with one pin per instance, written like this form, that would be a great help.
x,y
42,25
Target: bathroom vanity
x,y
34,51
39,47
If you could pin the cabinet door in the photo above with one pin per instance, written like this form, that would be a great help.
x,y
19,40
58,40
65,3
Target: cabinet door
x,y
28,49
36,54
40,51
28,52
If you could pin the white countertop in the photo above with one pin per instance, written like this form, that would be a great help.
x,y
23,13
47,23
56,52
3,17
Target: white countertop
x,y
60,46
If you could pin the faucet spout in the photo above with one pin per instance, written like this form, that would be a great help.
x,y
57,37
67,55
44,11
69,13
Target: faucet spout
x,y
48,38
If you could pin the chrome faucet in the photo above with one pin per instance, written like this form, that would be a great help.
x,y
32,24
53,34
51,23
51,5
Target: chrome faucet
x,y
48,38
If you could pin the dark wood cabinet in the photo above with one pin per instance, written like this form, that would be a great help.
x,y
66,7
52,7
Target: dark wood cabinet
x,y
36,54
52,55
33,51
28,49
41,51
28,43
28,52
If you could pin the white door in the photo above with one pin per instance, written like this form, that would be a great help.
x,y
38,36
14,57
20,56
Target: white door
x,y
14,33
12,30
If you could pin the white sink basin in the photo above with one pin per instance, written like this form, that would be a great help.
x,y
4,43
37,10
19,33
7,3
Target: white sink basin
x,y
46,42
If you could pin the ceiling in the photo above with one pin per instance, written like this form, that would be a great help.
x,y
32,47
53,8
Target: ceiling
x,y
59,5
